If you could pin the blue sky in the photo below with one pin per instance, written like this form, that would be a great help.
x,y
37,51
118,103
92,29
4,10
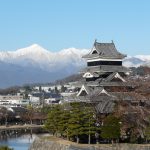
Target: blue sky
x,y
58,24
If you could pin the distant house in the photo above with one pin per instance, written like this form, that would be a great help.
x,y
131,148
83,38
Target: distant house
x,y
52,98
47,88
18,111
11,100
44,97
67,93
24,102
34,99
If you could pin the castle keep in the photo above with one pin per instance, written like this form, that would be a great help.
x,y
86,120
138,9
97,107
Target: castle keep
x,y
104,79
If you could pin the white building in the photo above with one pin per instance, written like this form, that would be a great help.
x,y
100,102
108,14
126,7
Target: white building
x,y
12,100
48,88
34,100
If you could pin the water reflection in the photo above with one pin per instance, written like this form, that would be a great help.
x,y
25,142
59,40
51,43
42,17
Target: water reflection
x,y
19,143
18,139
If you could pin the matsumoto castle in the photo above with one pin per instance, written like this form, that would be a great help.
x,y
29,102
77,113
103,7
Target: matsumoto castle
x,y
104,79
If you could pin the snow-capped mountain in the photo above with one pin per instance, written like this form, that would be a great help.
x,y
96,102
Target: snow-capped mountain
x,y
38,57
136,61
35,64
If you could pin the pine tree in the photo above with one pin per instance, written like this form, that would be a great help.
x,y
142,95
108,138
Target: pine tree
x,y
54,117
75,123
90,127
82,122
63,123
111,128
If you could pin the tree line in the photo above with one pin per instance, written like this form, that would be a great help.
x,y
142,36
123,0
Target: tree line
x,y
79,123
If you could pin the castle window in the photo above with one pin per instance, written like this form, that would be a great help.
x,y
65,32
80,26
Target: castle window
x,y
83,93
97,63
94,52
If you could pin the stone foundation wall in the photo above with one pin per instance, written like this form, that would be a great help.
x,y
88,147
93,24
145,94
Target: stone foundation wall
x,y
40,144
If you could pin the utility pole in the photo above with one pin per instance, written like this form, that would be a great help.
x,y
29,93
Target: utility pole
x,y
42,99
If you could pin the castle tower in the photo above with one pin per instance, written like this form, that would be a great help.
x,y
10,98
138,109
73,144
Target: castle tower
x,y
104,80
104,69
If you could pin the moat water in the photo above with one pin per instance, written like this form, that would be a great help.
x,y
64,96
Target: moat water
x,y
19,143
19,139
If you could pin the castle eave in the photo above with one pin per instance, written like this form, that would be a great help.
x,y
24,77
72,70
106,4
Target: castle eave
x,y
105,68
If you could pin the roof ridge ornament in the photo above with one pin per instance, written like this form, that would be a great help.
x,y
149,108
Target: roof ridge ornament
x,y
95,42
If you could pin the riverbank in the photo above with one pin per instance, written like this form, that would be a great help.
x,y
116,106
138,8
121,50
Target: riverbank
x,y
53,143
25,126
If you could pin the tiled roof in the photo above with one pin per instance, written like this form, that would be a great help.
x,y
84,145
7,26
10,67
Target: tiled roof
x,y
105,68
19,109
105,107
128,96
102,82
95,74
46,95
105,50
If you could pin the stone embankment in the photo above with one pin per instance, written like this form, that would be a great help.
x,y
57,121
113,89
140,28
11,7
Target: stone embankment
x,y
47,144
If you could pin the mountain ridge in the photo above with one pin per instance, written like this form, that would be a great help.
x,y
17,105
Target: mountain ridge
x,y
35,54
36,64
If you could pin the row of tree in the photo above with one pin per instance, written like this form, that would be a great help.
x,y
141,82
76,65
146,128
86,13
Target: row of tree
x,y
79,123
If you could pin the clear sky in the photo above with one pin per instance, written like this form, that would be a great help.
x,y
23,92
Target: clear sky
x,y
59,24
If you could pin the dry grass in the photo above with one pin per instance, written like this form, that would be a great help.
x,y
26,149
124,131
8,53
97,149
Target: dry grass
x,y
125,146
66,142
